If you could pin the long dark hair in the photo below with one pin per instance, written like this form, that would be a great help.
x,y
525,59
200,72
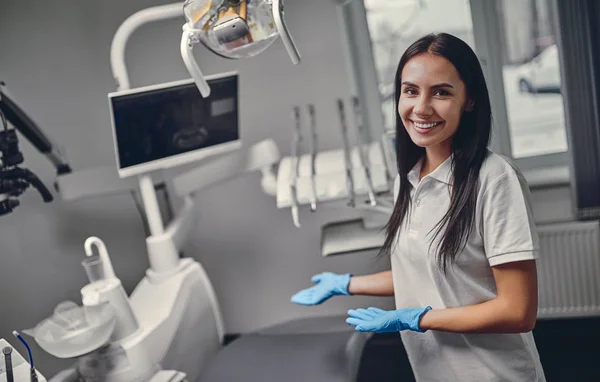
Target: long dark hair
x,y
469,148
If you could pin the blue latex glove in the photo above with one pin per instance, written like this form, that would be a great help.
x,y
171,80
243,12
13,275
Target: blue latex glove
x,y
386,321
328,285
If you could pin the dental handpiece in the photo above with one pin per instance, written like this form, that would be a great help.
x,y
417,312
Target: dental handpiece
x,y
364,160
296,143
347,158
313,155
33,375
8,364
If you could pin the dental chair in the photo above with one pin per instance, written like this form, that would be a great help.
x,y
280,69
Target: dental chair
x,y
317,349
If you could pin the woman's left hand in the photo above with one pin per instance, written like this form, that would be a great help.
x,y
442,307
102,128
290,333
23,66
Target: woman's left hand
x,y
386,321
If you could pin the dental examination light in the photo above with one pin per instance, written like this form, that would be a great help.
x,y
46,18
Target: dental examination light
x,y
232,29
229,28
15,180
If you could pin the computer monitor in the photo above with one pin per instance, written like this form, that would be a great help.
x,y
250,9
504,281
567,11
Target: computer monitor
x,y
162,126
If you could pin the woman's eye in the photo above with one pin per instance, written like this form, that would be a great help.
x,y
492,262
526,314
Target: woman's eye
x,y
410,91
442,93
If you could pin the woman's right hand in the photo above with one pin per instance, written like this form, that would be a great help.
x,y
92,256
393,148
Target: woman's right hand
x,y
327,285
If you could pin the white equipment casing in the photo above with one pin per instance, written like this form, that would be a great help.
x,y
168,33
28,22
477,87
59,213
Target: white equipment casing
x,y
180,324
175,305
180,327
111,291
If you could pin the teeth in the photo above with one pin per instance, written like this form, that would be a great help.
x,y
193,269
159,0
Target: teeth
x,y
426,125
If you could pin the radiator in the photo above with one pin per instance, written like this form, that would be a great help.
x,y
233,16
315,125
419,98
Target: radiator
x,y
569,270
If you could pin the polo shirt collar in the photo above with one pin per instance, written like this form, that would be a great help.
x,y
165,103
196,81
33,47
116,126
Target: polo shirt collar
x,y
443,173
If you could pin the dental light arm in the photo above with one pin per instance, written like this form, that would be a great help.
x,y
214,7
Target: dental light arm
x,y
188,39
15,180
130,25
286,37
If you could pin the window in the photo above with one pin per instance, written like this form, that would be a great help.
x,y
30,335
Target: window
x,y
515,40
531,75
395,24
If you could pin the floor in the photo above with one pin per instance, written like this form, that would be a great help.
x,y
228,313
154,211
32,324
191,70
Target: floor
x,y
569,351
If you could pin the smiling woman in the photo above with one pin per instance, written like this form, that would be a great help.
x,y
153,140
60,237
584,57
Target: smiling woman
x,y
461,217
439,83
461,238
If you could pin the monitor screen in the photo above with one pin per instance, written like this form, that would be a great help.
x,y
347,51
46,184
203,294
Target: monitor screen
x,y
167,125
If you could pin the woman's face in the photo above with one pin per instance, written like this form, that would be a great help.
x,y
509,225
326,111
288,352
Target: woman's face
x,y
432,100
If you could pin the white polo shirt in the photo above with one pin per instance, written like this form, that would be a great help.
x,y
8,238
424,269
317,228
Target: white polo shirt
x,y
504,231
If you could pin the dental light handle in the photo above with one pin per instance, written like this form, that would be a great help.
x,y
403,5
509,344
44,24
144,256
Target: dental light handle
x,y
286,37
187,40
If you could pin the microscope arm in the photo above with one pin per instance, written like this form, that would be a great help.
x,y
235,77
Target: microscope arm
x,y
24,124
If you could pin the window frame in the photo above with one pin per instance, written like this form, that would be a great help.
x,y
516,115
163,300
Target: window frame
x,y
486,32
544,170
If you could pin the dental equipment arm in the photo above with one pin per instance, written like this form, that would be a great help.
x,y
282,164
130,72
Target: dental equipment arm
x,y
259,156
26,126
130,25
163,248
286,37
188,39
14,180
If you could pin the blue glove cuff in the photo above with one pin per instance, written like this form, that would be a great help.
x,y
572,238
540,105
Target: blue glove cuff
x,y
417,325
344,282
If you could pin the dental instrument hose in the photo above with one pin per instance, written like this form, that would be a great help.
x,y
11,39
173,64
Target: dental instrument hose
x,y
32,373
8,364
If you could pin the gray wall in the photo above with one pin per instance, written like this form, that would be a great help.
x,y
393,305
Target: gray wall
x,y
55,60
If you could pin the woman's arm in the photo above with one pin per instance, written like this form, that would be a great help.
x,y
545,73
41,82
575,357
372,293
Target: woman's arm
x,y
377,284
514,310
